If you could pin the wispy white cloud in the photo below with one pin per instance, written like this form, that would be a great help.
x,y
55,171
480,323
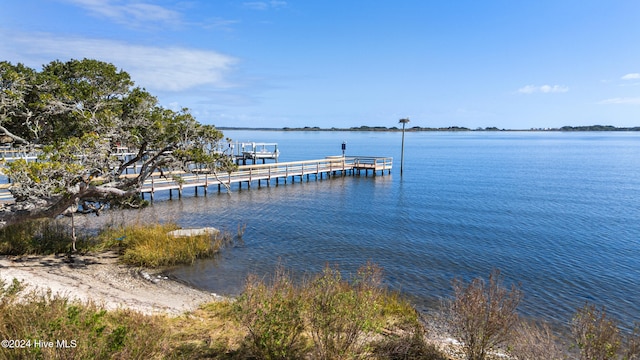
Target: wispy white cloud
x,y
264,5
129,12
219,23
155,68
631,76
623,100
531,89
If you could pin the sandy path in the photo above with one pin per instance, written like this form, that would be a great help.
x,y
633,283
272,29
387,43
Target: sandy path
x,y
99,277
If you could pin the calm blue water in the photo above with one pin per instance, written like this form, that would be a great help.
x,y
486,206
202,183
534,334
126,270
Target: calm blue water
x,y
557,212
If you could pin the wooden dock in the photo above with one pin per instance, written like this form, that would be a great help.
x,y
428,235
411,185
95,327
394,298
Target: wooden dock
x,y
268,173
257,174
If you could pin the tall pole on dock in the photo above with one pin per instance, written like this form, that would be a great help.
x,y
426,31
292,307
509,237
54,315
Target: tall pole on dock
x,y
403,122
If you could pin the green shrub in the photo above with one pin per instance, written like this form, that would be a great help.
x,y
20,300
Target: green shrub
x,y
340,312
272,314
596,336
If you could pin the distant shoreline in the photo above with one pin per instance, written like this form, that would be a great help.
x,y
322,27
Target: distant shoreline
x,y
447,129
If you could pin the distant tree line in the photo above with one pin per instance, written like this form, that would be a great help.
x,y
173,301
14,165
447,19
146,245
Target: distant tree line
x,y
599,128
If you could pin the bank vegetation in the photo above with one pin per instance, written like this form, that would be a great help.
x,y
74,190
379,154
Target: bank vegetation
x,y
329,315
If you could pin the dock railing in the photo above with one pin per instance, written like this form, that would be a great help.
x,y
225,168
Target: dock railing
x,y
377,163
249,174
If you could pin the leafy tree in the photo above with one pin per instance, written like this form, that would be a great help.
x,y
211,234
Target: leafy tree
x,y
16,83
79,113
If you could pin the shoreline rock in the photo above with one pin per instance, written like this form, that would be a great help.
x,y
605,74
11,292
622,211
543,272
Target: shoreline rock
x,y
193,232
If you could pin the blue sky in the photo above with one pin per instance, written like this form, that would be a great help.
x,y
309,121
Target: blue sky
x,y
504,63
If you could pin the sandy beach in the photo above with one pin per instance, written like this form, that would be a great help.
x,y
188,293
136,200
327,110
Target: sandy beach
x,y
99,277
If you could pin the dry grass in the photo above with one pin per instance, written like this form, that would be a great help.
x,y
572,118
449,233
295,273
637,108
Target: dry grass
x,y
150,245
210,332
407,345
39,237
534,341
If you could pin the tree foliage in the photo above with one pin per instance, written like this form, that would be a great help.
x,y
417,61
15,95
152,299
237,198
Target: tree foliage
x,y
79,114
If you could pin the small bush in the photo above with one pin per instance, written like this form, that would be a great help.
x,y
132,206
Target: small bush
x,y
339,312
483,315
272,313
596,336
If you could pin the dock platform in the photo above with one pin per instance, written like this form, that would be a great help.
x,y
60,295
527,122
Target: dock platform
x,y
255,152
